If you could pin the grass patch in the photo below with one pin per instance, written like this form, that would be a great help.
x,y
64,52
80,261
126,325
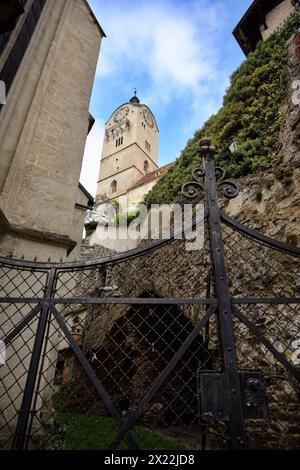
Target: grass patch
x,y
82,432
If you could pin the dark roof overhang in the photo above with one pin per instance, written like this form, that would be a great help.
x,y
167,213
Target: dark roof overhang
x,y
247,31
90,198
91,122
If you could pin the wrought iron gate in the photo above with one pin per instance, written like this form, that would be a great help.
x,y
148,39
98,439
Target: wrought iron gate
x,y
159,347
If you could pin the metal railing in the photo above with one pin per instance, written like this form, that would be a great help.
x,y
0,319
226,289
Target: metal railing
x,y
159,347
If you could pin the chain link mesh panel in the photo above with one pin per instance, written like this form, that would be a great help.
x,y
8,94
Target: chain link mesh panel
x,y
127,354
280,325
152,273
258,270
129,318
18,283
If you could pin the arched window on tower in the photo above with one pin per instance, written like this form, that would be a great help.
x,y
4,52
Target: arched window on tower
x,y
113,187
147,146
146,166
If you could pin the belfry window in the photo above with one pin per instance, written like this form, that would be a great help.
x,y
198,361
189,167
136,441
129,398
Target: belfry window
x,y
119,141
146,166
147,146
113,187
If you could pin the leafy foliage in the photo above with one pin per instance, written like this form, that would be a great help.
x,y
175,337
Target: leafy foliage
x,y
284,174
90,227
251,116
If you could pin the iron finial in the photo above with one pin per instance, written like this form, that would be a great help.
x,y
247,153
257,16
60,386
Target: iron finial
x,y
195,187
205,142
207,149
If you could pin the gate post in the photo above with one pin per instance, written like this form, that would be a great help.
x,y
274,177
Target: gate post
x,y
225,321
25,410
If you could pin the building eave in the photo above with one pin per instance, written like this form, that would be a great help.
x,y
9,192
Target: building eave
x,y
250,22
157,174
90,198
91,122
137,185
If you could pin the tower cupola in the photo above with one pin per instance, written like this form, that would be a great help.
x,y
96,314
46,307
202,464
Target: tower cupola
x,y
134,99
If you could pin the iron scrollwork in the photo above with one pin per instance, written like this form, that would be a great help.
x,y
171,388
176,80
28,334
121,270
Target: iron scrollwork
x,y
194,188
231,190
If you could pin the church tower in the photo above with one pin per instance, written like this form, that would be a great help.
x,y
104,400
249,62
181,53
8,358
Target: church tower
x,y
130,149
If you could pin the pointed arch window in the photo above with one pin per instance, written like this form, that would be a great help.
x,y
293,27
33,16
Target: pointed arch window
x,y
113,187
146,166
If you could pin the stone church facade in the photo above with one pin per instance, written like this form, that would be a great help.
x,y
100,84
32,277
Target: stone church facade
x,y
48,66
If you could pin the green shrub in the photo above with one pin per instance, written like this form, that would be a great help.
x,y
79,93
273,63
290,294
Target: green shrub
x,y
284,174
90,227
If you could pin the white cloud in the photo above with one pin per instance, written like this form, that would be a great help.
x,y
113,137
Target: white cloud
x,y
91,160
172,45
168,42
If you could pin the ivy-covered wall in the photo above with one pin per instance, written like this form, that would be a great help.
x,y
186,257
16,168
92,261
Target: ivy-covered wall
x,y
252,116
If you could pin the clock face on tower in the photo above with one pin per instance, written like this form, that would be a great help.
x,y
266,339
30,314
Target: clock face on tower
x,y
148,118
121,114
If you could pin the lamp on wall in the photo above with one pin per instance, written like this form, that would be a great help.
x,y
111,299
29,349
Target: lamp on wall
x,y
9,14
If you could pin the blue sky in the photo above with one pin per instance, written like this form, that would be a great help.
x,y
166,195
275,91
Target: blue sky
x,y
179,55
